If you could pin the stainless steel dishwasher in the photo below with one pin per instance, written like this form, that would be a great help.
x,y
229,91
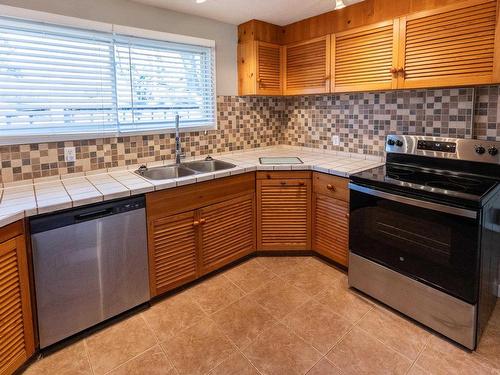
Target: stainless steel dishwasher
x,y
90,264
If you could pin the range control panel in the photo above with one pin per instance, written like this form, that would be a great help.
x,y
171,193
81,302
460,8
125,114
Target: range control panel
x,y
451,148
436,146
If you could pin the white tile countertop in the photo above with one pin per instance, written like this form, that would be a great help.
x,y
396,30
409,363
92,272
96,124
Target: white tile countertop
x,y
32,197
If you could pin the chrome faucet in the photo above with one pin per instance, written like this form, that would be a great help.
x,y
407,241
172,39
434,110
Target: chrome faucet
x,y
178,150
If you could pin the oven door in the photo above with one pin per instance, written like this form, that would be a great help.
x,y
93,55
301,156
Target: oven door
x,y
432,243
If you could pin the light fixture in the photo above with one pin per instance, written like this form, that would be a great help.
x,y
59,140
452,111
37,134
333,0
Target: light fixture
x,y
339,4
200,1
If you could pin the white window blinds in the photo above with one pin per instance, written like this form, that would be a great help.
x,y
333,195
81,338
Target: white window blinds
x,y
64,81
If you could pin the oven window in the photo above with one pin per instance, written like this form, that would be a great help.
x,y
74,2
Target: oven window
x,y
436,248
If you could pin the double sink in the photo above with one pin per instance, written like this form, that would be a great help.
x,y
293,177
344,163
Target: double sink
x,y
185,169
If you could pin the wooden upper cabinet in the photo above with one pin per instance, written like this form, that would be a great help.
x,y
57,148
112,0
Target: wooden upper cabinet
x,y
365,58
307,67
259,68
16,325
172,251
449,46
227,232
269,64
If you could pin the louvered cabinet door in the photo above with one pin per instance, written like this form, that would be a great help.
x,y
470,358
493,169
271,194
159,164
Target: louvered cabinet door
x,y
331,228
307,67
268,69
365,58
173,243
284,214
16,329
450,46
227,232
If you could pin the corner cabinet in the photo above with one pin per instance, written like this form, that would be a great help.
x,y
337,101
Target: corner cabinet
x,y
366,58
283,211
307,67
260,68
450,46
17,343
196,229
331,217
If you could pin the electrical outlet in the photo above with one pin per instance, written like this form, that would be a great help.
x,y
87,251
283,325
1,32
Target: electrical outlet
x,y
69,154
335,140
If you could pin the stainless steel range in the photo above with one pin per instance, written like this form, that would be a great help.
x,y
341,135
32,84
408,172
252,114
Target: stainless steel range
x,y
425,232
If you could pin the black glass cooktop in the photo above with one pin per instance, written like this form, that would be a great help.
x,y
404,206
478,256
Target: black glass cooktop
x,y
438,184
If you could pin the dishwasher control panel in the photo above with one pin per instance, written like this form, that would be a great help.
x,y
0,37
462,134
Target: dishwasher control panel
x,y
131,205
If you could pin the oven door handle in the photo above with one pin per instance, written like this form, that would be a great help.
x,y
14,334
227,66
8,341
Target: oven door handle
x,y
415,202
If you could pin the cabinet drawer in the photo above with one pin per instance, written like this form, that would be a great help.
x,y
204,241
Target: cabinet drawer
x,y
332,186
276,175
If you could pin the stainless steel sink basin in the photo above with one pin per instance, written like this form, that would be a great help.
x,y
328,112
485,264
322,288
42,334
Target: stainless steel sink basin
x,y
209,165
166,172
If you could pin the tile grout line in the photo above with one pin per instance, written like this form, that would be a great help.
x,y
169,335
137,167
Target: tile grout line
x,y
158,342
87,355
141,353
414,363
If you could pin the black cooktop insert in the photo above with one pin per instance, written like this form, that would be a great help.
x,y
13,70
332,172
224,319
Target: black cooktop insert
x,y
454,171
428,182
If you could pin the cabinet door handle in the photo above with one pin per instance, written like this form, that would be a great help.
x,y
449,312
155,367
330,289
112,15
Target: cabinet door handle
x,y
196,223
203,221
283,182
330,187
393,70
268,175
301,183
347,216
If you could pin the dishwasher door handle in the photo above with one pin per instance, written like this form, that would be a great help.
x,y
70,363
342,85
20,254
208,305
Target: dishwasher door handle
x,y
93,215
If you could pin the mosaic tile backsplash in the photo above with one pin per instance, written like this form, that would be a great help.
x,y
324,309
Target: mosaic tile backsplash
x,y
361,120
243,123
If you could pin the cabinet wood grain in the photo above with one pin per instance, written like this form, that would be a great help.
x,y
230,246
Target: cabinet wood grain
x,y
227,232
307,67
284,214
16,324
260,68
194,196
331,228
449,46
173,244
366,58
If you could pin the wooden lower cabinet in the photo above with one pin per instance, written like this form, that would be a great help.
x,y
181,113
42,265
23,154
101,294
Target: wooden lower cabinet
x,y
16,326
172,252
283,211
331,217
216,227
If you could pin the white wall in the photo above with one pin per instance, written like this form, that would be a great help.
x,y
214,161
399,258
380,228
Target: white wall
x,y
129,13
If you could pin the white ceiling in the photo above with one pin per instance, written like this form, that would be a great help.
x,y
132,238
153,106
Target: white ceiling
x,y
278,12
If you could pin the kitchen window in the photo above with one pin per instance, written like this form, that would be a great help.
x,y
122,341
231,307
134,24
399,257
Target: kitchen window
x,y
58,83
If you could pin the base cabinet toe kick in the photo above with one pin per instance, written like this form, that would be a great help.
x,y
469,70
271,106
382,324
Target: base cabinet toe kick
x,y
443,313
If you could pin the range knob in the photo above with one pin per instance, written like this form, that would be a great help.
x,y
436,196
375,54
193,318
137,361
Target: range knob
x,y
492,150
391,142
399,143
480,150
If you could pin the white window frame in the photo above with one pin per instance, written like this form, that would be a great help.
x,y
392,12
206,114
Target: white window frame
x,y
80,23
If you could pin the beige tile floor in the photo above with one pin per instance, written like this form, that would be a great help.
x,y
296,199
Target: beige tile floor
x,y
273,315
